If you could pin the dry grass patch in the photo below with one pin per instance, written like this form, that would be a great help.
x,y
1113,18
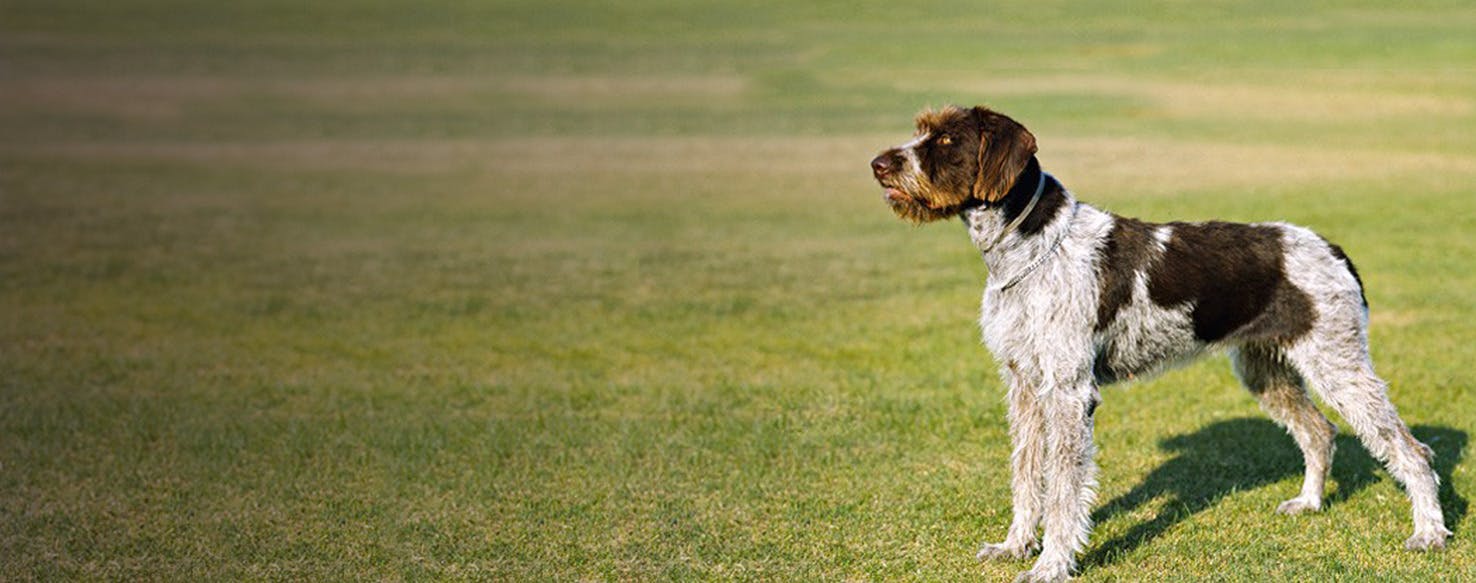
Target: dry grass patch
x,y
147,98
1091,165
1310,101
600,87
162,97
539,155
1387,318
1165,166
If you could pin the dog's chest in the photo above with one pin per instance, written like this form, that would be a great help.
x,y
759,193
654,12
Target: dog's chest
x,y
1045,320
1000,321
1040,302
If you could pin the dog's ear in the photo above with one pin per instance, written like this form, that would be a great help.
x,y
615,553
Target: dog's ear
x,y
1005,148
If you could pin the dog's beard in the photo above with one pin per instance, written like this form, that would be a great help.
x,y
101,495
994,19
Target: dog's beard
x,y
920,202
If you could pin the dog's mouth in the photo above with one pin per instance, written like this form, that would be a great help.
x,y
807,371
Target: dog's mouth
x,y
900,200
893,194
908,205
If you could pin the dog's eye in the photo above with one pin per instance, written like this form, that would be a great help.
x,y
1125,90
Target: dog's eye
x,y
945,141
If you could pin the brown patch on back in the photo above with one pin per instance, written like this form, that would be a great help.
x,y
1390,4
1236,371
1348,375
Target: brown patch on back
x,y
1235,278
1127,250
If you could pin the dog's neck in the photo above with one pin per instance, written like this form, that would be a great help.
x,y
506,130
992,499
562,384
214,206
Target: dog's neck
x,y
1037,231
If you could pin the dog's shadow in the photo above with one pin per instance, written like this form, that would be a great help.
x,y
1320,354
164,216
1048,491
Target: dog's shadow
x,y
1241,454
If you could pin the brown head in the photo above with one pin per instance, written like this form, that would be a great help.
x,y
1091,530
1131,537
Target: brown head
x,y
959,158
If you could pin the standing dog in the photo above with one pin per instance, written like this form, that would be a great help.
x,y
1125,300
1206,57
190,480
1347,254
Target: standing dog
x,y
1078,298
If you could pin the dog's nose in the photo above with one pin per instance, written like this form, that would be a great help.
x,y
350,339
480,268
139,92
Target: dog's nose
x,y
881,165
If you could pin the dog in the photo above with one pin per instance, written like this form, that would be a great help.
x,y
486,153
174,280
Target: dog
x,y
1078,298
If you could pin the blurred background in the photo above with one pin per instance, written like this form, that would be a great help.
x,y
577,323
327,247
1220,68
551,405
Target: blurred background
x,y
597,290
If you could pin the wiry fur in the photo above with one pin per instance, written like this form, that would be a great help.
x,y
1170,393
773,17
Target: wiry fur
x,y
1078,297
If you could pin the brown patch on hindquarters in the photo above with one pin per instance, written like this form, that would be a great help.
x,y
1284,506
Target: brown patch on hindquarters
x,y
1234,276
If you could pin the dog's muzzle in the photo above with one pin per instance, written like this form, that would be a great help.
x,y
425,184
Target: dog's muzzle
x,y
883,167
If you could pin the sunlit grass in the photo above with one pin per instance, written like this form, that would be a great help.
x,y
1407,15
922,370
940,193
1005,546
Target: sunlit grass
x,y
380,291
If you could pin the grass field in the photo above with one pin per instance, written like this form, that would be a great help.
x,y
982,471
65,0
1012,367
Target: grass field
x,y
521,290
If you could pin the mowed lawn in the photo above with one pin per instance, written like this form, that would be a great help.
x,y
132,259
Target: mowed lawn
x,y
603,290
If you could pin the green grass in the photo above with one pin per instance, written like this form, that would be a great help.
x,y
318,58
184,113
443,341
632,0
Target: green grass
x,y
522,290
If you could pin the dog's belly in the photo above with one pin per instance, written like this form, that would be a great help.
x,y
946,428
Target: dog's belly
x,y
1144,340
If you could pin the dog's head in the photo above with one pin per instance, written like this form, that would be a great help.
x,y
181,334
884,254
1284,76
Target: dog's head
x,y
958,158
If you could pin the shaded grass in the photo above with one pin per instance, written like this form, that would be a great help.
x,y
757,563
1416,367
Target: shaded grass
x,y
366,290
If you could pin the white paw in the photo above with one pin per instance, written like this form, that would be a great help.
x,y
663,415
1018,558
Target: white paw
x,y
1429,540
1005,551
1299,505
1045,574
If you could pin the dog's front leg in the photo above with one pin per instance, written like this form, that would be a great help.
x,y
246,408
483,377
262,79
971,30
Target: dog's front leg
x,y
1027,434
1070,478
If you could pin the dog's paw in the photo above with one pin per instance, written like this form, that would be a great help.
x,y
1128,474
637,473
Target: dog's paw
x,y
1299,505
1005,551
1430,540
1044,574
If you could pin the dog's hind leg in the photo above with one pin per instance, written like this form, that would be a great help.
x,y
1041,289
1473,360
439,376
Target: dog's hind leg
x,y
1264,371
1027,433
1334,361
